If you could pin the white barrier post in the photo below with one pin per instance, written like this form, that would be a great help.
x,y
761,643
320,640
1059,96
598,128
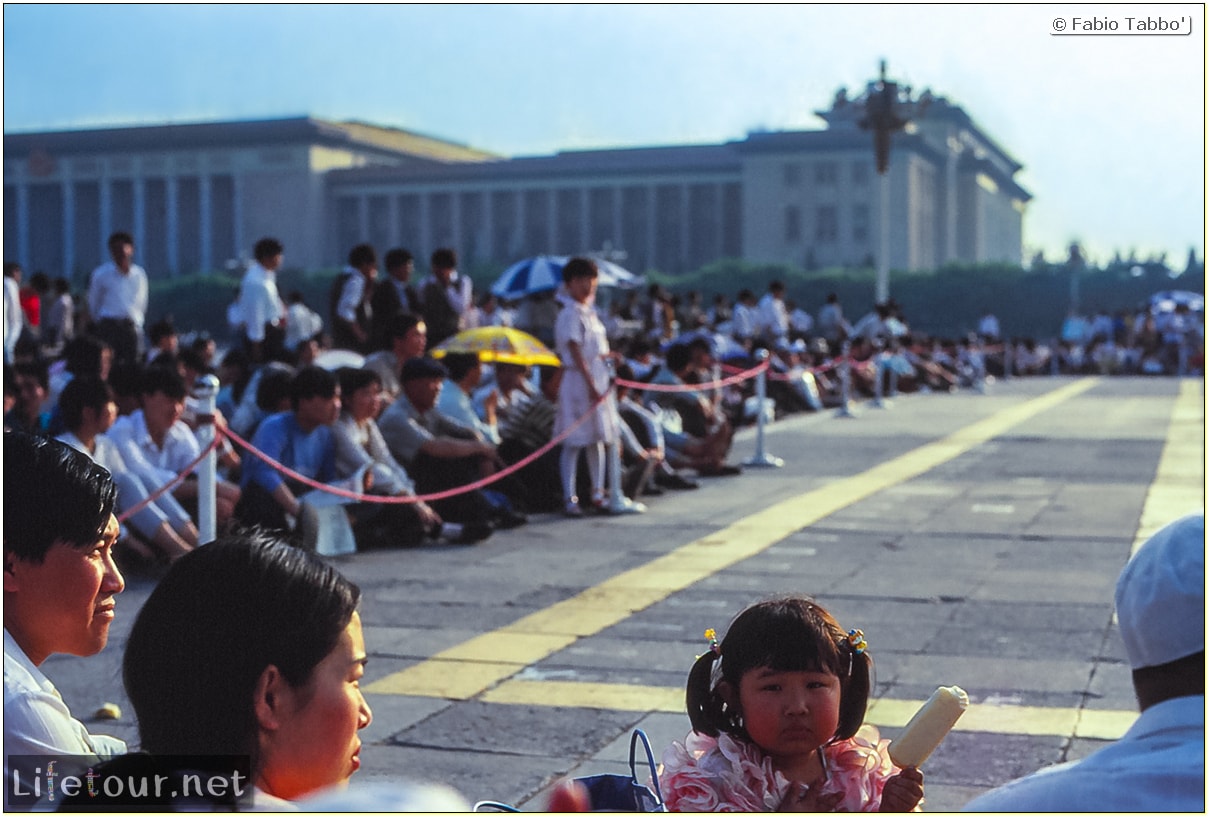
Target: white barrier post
x,y
205,390
619,503
762,459
845,382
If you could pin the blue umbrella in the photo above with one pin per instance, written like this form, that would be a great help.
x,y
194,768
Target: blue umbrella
x,y
1169,299
544,273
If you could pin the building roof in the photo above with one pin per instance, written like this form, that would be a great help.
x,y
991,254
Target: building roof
x,y
201,135
645,160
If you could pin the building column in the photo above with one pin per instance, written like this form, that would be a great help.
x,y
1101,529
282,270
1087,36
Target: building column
x,y
489,250
392,215
69,228
950,211
172,225
615,238
685,201
106,204
552,219
426,245
520,223
585,219
23,224
455,217
652,225
140,210
206,226
237,215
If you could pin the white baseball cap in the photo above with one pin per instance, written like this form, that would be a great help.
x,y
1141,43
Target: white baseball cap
x,y
1161,595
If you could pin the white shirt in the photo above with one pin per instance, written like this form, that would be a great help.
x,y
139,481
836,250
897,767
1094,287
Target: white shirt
x,y
36,721
743,322
14,318
114,294
154,464
302,323
107,454
1158,765
351,295
259,302
771,316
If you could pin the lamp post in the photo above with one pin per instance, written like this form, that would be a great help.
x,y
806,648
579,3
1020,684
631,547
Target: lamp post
x,y
887,107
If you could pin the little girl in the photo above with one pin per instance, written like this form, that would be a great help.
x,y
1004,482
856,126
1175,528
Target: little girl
x,y
776,710
580,340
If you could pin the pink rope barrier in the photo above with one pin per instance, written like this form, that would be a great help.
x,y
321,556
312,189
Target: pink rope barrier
x,y
745,374
170,484
404,500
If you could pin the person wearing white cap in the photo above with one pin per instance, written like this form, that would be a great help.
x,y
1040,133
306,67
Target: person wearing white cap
x,y
1159,764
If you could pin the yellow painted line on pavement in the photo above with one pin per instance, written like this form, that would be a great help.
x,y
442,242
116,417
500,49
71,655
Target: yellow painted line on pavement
x,y
1178,488
1005,719
469,669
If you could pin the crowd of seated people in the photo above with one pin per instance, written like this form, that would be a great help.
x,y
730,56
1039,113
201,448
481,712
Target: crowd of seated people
x,y
403,423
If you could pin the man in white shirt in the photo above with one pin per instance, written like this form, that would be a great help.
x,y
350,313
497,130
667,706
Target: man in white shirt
x,y
446,296
117,301
60,581
14,317
260,305
743,317
352,313
772,321
1159,764
157,445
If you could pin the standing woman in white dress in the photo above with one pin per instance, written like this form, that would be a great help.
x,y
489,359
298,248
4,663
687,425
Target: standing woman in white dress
x,y
581,343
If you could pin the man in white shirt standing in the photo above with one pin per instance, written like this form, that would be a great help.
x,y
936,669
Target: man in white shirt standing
x,y
772,321
117,301
14,317
60,581
260,304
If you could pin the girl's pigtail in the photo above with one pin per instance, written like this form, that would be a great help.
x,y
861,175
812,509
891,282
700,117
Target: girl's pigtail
x,y
854,695
706,709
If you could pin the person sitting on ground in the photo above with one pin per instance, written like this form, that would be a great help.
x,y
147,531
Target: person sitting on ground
x,y
408,336
532,427
702,421
302,322
163,339
30,414
60,581
1159,764
158,446
510,392
89,410
302,440
438,452
456,403
359,444
250,651
647,431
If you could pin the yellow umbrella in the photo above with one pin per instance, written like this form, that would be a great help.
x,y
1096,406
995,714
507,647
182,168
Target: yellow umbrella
x,y
499,344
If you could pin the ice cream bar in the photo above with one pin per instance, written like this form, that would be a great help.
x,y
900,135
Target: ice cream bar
x,y
928,728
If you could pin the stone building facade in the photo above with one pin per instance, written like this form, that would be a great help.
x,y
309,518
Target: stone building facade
x,y
197,197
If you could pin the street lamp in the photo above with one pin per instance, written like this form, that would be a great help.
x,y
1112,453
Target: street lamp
x,y
887,107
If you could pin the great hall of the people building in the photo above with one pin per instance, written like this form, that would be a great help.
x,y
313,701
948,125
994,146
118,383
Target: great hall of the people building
x,y
196,197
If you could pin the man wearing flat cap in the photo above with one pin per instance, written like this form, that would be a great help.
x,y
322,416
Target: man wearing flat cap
x,y
1159,764
439,452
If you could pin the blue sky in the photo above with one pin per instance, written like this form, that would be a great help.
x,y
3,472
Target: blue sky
x,y
1110,129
